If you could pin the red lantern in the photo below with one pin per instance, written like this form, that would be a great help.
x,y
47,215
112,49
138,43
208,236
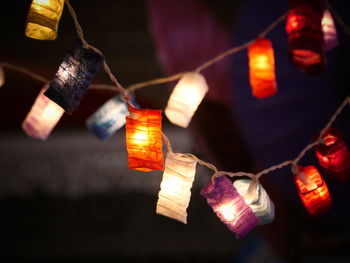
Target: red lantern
x,y
305,35
144,139
312,190
262,68
334,156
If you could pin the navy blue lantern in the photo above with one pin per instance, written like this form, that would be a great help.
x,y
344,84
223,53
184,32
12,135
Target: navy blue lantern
x,y
74,77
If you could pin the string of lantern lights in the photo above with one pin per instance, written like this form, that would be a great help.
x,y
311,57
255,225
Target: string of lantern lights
x,y
241,205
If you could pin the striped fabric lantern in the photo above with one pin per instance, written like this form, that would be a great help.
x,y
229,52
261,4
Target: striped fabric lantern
x,y
74,77
2,77
259,201
229,206
329,31
144,139
312,190
334,155
305,35
175,189
43,19
185,99
262,75
43,117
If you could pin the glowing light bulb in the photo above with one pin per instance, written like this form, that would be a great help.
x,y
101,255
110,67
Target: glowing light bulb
x,y
185,99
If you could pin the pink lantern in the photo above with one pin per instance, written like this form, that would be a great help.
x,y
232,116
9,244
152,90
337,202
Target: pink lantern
x,y
330,35
43,117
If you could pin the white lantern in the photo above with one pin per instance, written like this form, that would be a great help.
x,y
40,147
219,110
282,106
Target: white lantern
x,y
175,189
185,98
2,77
258,201
43,117
329,31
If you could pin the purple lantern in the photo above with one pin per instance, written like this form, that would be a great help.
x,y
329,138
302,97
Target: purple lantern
x,y
229,206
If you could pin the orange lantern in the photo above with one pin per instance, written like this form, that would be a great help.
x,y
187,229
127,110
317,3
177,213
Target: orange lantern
x,y
312,190
334,156
144,139
262,68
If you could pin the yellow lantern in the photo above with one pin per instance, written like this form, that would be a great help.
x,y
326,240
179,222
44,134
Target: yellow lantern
x,y
43,18
175,189
43,117
185,98
2,77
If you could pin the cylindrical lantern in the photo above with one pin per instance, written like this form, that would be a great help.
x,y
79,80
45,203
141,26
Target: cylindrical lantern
x,y
312,190
175,189
144,139
334,156
305,35
229,206
74,77
185,99
109,118
259,201
43,18
43,117
262,76
2,77
329,31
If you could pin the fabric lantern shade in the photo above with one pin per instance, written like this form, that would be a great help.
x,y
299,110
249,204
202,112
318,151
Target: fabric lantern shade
x,y
2,77
334,155
43,18
43,117
262,68
144,139
185,99
259,202
305,35
329,31
229,206
74,77
109,118
175,189
312,190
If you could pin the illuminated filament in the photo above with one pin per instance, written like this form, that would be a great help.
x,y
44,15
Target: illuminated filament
x,y
229,206
262,68
175,189
312,190
42,118
144,139
43,19
185,99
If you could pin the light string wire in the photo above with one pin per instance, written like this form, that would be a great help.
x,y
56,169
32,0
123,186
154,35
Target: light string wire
x,y
219,57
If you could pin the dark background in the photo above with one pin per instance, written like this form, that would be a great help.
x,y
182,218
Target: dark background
x,y
72,198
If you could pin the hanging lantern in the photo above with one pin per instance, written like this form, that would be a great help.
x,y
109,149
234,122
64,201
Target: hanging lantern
x,y
43,117
229,206
109,118
175,189
305,35
262,68
258,201
74,77
329,31
2,77
43,18
185,99
144,139
334,156
312,190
